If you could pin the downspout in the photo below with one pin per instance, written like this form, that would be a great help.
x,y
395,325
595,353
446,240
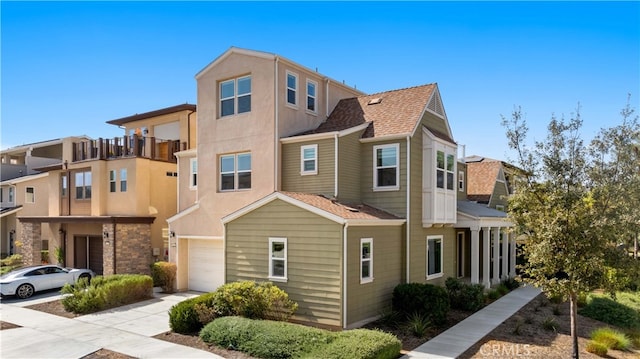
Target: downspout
x,y
344,276
335,164
276,139
189,130
114,248
408,249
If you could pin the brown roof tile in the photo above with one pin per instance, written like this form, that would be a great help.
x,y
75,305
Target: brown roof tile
x,y
397,112
481,177
347,211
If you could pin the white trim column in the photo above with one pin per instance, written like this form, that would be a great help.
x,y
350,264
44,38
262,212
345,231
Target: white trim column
x,y
496,256
505,253
486,257
475,255
512,262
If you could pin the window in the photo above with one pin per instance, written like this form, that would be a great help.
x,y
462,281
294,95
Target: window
x,y
434,257
112,181
461,181
83,185
1,194
30,195
386,174
450,173
366,260
440,169
292,89
311,96
235,96
64,185
123,180
278,258
235,172
193,174
11,194
444,170
309,160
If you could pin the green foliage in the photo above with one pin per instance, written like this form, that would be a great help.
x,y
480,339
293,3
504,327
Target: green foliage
x,y
510,283
59,253
270,339
463,296
164,275
44,256
390,318
611,338
502,289
556,310
550,323
14,260
426,299
418,324
596,348
624,312
493,294
247,299
106,292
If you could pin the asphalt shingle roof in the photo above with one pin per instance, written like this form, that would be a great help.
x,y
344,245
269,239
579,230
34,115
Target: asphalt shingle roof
x,y
347,211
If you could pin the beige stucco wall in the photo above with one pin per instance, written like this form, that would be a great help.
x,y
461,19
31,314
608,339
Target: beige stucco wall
x,y
187,122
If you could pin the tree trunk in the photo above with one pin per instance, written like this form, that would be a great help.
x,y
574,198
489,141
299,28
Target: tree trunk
x,y
573,299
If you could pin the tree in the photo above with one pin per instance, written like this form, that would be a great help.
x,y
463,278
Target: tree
x,y
572,207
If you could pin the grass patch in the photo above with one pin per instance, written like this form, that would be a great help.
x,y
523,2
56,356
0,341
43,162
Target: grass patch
x,y
596,348
611,338
623,312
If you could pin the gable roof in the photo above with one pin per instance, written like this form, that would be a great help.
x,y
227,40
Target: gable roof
x,y
481,179
388,113
155,113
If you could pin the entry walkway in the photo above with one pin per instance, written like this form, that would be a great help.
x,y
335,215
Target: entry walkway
x,y
456,340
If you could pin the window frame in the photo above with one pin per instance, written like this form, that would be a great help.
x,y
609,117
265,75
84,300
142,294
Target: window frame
x,y
123,179
11,195
64,185
395,187
294,90
314,97
303,171
461,181
440,240
236,172
26,195
236,97
284,259
193,173
84,185
363,241
112,181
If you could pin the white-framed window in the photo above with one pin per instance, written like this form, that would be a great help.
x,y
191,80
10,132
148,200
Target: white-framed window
x,y
193,173
445,166
386,167
64,185
83,185
366,260
450,171
292,89
461,181
30,195
309,160
434,257
278,259
112,181
312,99
11,194
235,172
123,180
235,96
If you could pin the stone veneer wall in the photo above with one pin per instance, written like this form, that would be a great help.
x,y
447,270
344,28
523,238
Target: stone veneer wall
x,y
133,248
31,238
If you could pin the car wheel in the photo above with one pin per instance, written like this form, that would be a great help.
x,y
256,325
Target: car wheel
x,y
85,275
24,291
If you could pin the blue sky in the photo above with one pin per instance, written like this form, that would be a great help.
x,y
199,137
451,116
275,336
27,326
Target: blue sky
x,y
69,67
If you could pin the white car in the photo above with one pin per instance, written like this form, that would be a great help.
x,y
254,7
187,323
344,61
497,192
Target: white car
x,y
25,281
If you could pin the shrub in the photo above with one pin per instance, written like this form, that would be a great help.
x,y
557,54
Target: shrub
x,y
44,256
12,260
550,324
624,312
246,299
164,275
556,310
426,299
502,289
390,318
493,294
271,339
106,292
611,338
510,283
596,348
463,296
418,324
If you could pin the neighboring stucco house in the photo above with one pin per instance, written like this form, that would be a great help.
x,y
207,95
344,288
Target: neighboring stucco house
x,y
334,195
109,198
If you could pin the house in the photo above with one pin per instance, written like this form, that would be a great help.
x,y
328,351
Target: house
x,y
334,195
109,198
491,181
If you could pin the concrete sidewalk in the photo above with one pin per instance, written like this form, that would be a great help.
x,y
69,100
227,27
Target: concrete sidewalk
x,y
128,330
457,339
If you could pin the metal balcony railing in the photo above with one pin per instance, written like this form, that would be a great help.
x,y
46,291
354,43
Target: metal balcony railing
x,y
127,146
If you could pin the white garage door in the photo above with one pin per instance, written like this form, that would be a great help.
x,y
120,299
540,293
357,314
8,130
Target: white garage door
x,y
206,264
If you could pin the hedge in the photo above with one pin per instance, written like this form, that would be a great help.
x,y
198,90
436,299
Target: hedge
x,y
463,296
106,292
423,299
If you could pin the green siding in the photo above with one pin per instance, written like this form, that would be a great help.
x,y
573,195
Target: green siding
x,y
434,122
314,257
366,301
391,201
500,195
321,183
349,167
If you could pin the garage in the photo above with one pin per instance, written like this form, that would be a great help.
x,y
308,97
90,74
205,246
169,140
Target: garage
x,y
206,264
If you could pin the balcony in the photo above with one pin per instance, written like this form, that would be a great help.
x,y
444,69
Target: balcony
x,y
127,147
